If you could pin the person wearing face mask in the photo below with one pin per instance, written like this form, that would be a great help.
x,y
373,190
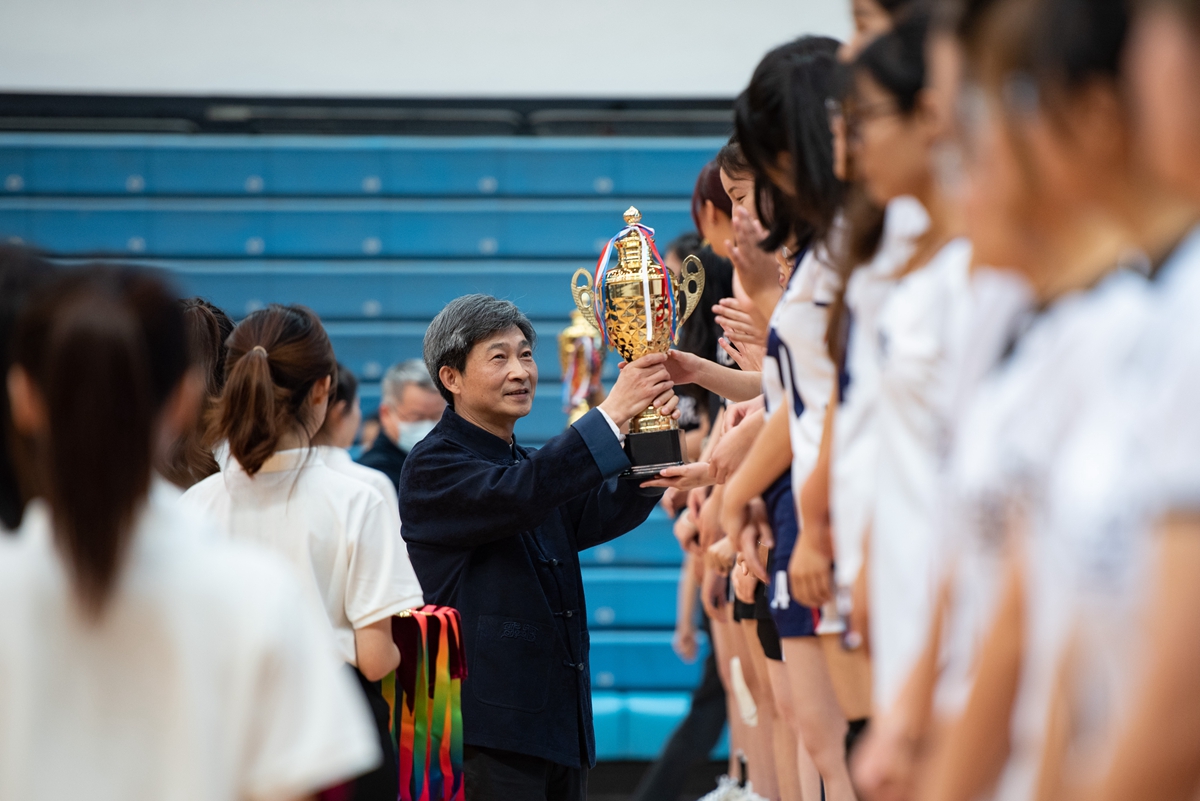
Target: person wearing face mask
x,y
409,409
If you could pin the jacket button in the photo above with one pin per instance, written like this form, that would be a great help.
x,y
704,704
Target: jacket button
x,y
553,563
569,613
579,666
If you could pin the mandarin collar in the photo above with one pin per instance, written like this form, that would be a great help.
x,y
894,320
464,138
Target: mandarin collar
x,y
484,443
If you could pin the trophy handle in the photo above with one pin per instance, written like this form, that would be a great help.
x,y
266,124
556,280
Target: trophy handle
x,y
691,281
585,296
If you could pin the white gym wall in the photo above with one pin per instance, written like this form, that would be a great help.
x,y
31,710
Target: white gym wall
x,y
400,48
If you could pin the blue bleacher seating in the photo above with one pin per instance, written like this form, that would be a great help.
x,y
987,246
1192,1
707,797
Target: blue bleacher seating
x,y
634,725
640,660
380,289
328,228
651,544
376,234
631,597
316,166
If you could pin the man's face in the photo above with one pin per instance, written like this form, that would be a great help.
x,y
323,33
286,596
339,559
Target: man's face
x,y
499,380
416,404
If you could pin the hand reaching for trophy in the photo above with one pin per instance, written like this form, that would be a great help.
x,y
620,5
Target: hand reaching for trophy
x,y
641,383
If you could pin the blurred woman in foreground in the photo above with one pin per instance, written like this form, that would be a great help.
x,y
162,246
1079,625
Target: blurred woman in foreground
x,y
142,657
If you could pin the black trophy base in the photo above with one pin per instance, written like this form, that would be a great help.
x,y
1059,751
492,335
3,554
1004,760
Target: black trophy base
x,y
650,453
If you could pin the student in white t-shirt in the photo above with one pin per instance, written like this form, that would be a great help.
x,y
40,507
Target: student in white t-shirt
x,y
1154,748
341,535
339,430
143,658
894,126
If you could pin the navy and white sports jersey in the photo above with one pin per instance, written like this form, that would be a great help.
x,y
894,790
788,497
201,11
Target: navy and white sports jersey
x,y
913,417
798,375
852,466
797,371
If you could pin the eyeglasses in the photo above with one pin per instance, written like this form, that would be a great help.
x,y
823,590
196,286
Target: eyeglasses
x,y
860,114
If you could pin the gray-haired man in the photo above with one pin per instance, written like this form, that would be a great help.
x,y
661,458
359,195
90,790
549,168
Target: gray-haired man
x,y
408,410
494,530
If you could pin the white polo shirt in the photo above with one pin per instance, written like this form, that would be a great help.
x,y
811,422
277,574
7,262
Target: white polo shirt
x,y
1132,457
205,679
342,536
339,459
854,453
913,420
1084,336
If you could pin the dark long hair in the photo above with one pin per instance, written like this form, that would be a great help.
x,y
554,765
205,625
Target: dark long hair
x,y
896,60
21,272
1036,53
709,189
784,110
344,390
699,333
190,459
732,162
276,355
105,346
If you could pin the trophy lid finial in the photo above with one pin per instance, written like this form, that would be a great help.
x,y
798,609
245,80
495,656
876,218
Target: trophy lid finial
x,y
632,216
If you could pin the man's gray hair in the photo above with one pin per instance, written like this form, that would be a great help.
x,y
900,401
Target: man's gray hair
x,y
400,375
464,322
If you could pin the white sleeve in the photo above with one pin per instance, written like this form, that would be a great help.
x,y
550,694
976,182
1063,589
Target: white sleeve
x,y
1172,442
380,580
615,428
311,728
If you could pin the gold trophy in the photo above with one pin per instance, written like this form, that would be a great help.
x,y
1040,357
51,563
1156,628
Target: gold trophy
x,y
639,307
581,353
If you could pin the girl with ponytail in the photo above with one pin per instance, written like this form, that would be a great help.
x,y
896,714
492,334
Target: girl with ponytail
x,y
141,657
341,535
191,458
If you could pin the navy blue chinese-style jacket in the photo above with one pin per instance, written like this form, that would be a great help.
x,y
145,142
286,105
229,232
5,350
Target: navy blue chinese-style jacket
x,y
494,530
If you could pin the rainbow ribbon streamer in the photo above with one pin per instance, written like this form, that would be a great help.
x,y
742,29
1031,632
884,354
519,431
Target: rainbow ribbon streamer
x,y
647,235
425,696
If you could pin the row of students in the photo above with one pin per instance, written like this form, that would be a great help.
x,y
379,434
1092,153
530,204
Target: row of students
x,y
815,685
143,657
1111,356
1006,461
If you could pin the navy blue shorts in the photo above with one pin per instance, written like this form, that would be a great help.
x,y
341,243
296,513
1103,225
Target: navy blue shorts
x,y
791,618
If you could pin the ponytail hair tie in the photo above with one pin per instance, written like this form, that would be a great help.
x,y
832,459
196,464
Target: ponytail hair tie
x,y
260,349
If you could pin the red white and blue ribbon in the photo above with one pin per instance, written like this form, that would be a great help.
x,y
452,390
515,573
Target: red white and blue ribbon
x,y
647,236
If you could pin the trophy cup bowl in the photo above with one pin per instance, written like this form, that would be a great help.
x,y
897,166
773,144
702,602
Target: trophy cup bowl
x,y
639,307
